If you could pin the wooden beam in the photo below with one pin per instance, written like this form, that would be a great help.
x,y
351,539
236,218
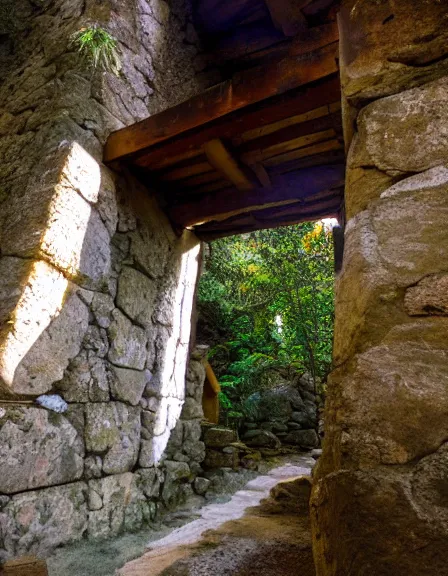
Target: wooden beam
x,y
295,217
285,188
325,146
292,132
291,121
286,146
246,88
297,101
324,202
223,161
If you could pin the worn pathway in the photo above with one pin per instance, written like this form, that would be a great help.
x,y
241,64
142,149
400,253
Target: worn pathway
x,y
242,537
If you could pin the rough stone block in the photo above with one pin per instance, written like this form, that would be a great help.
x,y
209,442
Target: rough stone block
x,y
45,519
136,295
429,297
304,438
118,506
44,324
384,262
128,343
391,46
39,449
128,385
406,132
219,437
113,429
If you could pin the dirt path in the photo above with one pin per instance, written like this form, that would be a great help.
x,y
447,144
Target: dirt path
x,y
243,537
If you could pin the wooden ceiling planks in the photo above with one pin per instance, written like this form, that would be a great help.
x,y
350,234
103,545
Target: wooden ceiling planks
x,y
263,148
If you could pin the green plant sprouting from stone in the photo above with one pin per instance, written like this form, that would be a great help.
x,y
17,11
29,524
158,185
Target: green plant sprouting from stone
x,y
98,47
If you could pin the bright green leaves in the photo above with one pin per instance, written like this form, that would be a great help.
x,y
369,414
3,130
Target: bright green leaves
x,y
97,47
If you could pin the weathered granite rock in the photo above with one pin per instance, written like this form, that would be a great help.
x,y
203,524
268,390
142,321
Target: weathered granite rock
x,y
262,439
92,467
385,263
128,343
117,505
39,449
46,332
113,429
219,437
405,132
194,450
218,459
102,306
429,297
86,378
37,221
45,519
130,283
151,480
201,485
175,472
128,385
304,438
386,51
192,409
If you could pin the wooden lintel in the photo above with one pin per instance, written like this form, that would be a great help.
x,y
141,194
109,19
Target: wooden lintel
x,y
294,102
245,88
222,160
295,218
330,200
220,205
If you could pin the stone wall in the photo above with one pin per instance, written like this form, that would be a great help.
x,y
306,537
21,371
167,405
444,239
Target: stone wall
x,y
379,503
96,290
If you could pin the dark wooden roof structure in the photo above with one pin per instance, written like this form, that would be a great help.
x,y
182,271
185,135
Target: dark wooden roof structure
x,y
262,149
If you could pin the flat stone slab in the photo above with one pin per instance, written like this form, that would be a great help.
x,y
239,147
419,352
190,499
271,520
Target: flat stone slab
x,y
214,516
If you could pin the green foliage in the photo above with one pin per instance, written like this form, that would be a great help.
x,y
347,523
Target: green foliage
x,y
98,47
271,293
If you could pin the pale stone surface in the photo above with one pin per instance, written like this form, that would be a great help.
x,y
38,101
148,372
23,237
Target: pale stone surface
x,y
87,378
130,283
113,429
128,343
117,505
59,225
44,331
38,449
45,519
192,409
383,262
407,132
128,385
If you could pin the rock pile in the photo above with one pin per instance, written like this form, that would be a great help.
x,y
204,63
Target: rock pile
x,y
287,414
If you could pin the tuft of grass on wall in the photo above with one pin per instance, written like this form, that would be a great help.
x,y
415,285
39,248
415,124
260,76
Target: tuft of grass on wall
x,y
97,47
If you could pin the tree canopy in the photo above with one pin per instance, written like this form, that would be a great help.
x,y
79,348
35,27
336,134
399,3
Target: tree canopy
x,y
269,296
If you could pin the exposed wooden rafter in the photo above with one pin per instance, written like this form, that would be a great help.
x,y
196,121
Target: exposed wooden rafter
x,y
220,157
285,189
244,89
